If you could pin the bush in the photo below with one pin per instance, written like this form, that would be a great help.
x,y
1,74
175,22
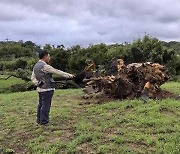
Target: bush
x,y
9,65
22,87
20,63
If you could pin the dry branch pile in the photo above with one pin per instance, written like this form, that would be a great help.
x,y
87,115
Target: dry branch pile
x,y
127,81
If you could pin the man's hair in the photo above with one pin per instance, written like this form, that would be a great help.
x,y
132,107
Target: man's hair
x,y
42,54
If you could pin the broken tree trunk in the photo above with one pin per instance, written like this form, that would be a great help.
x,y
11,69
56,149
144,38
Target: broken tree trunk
x,y
128,81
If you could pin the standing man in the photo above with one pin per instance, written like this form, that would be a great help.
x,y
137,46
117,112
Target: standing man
x,y
42,78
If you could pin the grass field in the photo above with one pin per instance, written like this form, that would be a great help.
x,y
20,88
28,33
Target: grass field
x,y
77,127
172,87
7,83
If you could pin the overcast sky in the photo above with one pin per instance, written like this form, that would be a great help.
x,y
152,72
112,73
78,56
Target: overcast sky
x,y
84,22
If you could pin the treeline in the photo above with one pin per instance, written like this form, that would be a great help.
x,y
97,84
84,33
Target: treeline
x,y
173,44
14,55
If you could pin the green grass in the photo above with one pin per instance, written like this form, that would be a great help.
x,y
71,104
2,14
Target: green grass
x,y
173,87
75,127
9,82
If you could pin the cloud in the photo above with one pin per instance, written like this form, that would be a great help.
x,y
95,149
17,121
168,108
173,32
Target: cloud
x,y
71,22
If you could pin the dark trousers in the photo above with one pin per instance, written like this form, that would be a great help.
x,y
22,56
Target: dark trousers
x,y
44,106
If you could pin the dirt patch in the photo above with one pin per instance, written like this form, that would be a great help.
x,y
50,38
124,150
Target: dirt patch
x,y
162,94
18,147
138,147
85,148
95,100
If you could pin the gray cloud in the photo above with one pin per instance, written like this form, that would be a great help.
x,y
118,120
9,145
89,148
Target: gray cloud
x,y
83,22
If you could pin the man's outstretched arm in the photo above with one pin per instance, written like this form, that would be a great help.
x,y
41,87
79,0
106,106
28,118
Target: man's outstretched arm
x,y
50,69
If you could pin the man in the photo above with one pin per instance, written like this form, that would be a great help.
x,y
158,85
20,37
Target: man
x,y
42,78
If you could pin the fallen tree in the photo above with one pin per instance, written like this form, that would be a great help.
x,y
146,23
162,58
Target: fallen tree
x,y
61,82
77,81
128,81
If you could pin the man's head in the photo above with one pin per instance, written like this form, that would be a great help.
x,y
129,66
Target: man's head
x,y
44,55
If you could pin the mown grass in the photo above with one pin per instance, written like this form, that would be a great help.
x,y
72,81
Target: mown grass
x,y
77,127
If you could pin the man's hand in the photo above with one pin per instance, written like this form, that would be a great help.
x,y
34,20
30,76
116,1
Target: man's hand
x,y
70,76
